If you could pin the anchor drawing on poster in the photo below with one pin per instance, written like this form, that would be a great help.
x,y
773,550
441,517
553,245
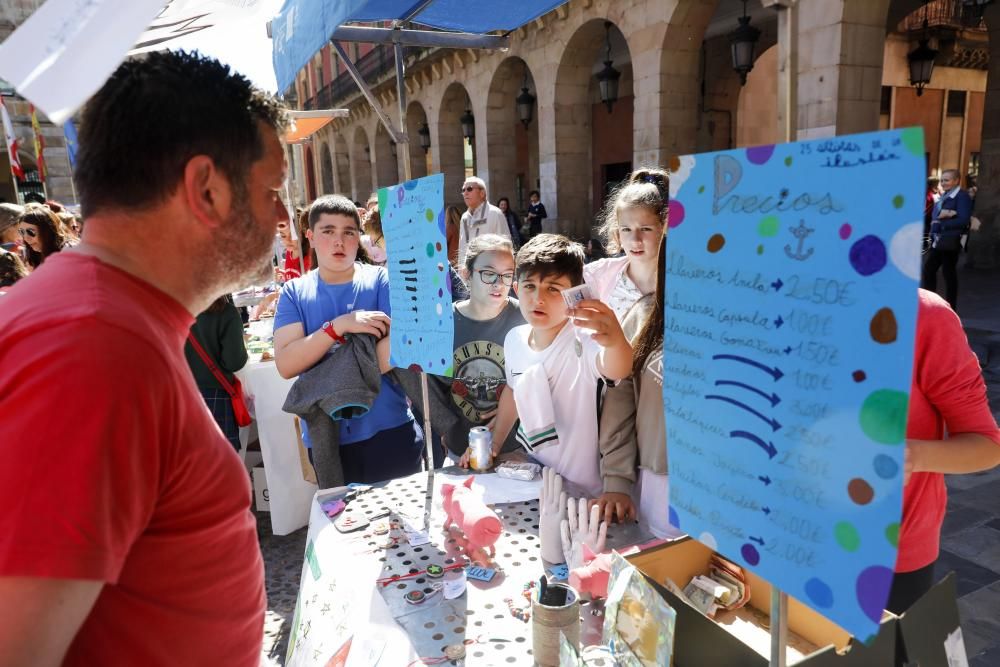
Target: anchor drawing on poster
x,y
791,296
413,222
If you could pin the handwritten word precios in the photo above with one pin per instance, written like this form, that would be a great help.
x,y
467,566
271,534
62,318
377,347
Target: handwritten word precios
x,y
729,172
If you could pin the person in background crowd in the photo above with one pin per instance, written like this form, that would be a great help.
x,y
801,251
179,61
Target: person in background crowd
x,y
482,217
929,200
42,232
219,331
10,236
374,239
972,191
139,547
290,265
594,250
12,269
634,219
453,219
536,212
513,222
71,223
346,295
950,221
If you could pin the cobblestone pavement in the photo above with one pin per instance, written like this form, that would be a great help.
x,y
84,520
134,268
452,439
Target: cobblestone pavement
x,y
970,541
282,567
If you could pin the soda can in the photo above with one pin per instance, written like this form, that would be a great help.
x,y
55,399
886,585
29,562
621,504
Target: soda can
x,y
480,447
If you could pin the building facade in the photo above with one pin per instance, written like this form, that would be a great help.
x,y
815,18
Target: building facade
x,y
677,93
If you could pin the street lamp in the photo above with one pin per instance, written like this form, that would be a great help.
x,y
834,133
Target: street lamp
x,y
742,42
525,102
425,137
468,122
921,61
607,78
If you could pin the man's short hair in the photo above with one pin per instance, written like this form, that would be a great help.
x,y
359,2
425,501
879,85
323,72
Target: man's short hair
x,y
478,182
548,255
534,193
955,173
155,113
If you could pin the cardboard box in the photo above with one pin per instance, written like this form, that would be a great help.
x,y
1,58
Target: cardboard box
x,y
743,637
261,498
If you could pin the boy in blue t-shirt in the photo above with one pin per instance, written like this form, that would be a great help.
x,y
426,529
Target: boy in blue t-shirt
x,y
343,296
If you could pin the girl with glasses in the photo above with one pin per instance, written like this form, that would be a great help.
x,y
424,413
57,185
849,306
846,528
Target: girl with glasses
x,y
481,324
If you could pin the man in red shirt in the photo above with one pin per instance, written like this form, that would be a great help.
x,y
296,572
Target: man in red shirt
x,y
126,536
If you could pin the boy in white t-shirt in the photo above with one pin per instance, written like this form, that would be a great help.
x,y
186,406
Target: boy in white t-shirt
x,y
553,362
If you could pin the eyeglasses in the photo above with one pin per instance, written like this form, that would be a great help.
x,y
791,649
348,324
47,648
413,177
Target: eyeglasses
x,y
491,277
27,231
469,188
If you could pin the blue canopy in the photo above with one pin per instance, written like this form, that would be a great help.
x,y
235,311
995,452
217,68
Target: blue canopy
x,y
304,26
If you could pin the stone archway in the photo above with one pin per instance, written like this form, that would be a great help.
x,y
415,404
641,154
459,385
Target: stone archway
x,y
416,118
451,145
386,171
361,165
326,169
588,159
512,148
343,163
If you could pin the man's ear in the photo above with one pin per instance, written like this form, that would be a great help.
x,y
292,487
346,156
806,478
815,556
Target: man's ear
x,y
207,191
309,235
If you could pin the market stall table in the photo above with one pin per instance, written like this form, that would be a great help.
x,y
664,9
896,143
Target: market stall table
x,y
289,494
382,626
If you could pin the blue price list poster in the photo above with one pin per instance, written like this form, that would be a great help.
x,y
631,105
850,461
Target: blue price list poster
x,y
791,300
423,327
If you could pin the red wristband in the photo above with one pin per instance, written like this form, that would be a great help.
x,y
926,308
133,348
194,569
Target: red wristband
x,y
332,333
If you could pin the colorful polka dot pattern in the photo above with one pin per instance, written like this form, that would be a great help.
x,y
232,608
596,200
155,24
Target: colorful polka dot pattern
x,y
420,285
876,248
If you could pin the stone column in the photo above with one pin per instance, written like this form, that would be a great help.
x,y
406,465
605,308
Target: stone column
x,y
985,244
841,49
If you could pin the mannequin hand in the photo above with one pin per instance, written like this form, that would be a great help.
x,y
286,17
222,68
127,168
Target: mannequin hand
x,y
582,528
552,511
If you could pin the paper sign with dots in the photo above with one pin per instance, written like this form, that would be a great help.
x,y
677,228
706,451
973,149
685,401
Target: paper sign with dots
x,y
423,328
791,294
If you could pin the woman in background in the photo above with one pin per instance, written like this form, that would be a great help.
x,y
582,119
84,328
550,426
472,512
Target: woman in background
x,y
219,332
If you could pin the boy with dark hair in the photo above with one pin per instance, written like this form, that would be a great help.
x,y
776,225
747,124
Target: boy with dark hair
x,y
553,362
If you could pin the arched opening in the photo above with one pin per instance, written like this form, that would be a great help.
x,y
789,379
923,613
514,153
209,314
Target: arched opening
x,y
457,157
326,168
593,144
343,171
720,93
361,166
512,146
757,108
386,172
420,160
310,174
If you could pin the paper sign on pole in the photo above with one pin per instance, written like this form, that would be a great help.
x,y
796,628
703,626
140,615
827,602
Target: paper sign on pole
x,y
423,327
791,300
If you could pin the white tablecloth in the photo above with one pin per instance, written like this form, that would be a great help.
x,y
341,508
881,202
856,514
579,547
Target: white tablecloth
x,y
290,495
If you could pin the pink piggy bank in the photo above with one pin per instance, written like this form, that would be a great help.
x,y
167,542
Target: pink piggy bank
x,y
467,510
